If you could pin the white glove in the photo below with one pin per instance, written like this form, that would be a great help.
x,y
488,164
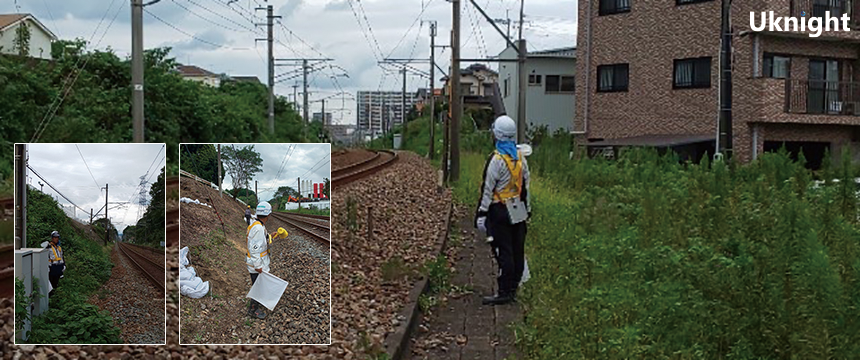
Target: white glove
x,y
482,223
64,268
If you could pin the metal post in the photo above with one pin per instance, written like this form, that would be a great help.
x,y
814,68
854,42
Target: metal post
x,y
20,195
300,193
270,40
295,98
432,154
137,70
256,195
456,99
323,112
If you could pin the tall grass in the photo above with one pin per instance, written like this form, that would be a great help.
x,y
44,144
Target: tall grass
x,y
644,257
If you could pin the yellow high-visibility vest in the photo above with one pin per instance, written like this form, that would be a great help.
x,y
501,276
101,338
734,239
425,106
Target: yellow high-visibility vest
x,y
514,187
248,232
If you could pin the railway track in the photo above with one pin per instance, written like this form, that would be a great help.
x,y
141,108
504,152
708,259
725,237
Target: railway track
x,y
376,162
152,270
316,229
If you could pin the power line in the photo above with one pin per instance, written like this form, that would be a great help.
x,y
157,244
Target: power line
x,y
314,166
417,18
192,36
221,16
52,187
88,168
153,160
209,20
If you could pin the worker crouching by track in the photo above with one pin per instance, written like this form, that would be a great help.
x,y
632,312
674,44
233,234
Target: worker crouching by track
x,y
504,208
258,252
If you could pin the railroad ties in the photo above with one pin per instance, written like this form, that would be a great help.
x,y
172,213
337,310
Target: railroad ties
x,y
374,163
152,270
317,226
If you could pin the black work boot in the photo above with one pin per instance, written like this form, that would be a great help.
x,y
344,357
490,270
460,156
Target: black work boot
x,y
499,299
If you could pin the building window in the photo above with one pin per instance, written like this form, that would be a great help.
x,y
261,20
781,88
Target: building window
x,y
534,80
609,7
777,66
559,84
612,78
692,73
507,87
685,2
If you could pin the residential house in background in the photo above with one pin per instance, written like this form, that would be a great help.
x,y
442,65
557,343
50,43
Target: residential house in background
x,y
648,74
196,73
550,99
40,37
479,88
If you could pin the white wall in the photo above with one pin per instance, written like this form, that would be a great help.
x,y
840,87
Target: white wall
x,y
40,42
556,110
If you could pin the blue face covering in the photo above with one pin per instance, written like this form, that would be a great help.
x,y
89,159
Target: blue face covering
x,y
507,148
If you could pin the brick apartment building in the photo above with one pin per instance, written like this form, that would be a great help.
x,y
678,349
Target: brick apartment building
x,y
648,74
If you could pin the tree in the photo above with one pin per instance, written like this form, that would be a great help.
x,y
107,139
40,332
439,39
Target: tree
x,y
242,164
150,228
327,188
21,44
202,160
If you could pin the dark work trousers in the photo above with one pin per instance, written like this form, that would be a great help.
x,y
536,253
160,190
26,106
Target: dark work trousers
x,y
508,248
248,220
54,273
253,280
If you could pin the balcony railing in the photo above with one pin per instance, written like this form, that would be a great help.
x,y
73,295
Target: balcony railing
x,y
822,97
818,8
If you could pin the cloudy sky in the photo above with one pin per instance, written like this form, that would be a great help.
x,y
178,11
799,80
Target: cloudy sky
x,y
219,35
283,164
118,165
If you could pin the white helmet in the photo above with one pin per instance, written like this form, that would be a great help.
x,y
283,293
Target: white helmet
x,y
264,209
505,128
55,233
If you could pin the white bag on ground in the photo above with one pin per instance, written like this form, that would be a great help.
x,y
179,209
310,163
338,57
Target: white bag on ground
x,y
189,283
267,290
526,275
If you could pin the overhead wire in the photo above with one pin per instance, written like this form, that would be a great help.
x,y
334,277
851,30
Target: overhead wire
x,y
55,189
88,167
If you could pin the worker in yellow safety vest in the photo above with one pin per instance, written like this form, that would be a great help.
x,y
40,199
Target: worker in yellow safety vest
x,y
504,208
56,260
258,252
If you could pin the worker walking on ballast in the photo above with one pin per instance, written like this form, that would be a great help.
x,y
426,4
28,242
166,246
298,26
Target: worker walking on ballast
x,y
56,260
504,208
258,253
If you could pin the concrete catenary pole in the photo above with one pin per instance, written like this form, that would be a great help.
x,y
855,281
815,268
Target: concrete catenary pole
x,y
456,98
523,80
107,219
137,70
432,154
403,119
270,40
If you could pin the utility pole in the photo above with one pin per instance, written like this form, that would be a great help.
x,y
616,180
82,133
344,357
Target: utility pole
x,y
724,129
305,89
20,195
295,97
220,192
270,41
91,216
256,195
323,111
456,99
107,219
432,89
299,188
137,69
523,80
403,119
